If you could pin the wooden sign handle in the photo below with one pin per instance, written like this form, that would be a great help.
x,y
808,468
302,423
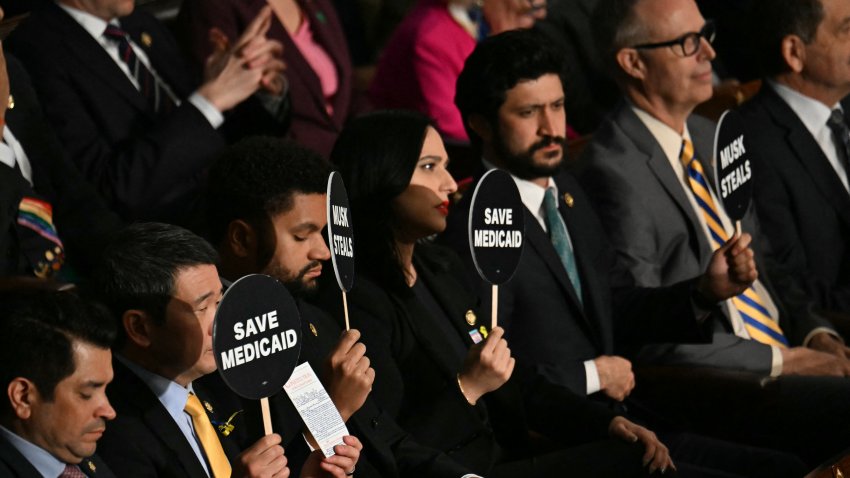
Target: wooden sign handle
x,y
494,320
267,417
345,309
738,228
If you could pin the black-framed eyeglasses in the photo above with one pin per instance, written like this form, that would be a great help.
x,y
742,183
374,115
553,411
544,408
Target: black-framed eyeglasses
x,y
687,44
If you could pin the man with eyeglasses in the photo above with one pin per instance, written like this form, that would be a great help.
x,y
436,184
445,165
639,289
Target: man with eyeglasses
x,y
649,172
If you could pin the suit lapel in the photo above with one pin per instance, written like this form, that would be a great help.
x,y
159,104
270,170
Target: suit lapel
x,y
174,75
15,461
156,417
323,36
91,55
660,167
809,153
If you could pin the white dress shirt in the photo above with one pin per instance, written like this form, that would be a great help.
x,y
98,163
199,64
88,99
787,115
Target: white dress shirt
x,y
814,116
12,153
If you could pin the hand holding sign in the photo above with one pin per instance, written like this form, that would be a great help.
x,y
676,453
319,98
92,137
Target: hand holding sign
x,y
257,338
488,365
733,166
496,230
731,270
341,237
349,374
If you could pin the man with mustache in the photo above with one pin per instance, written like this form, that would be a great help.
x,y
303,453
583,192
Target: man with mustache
x,y
56,365
650,172
567,326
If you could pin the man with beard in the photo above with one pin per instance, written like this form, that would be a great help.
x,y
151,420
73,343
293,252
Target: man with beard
x,y
562,318
267,210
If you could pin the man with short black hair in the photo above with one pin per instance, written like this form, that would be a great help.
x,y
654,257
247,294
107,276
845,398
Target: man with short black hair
x,y
267,210
567,324
56,365
800,139
162,286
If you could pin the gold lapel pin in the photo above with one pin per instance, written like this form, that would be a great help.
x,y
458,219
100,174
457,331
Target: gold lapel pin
x,y
208,406
568,198
470,317
11,103
483,331
313,329
146,39
92,467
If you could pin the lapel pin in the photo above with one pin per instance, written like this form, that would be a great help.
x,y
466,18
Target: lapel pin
x,y
313,329
483,330
568,198
208,406
147,41
91,466
470,317
11,103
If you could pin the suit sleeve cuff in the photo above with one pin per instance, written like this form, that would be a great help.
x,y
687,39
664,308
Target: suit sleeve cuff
x,y
210,112
776,361
818,330
592,374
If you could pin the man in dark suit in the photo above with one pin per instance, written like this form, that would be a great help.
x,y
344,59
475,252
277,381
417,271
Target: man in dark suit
x,y
649,171
268,179
56,366
799,137
561,314
129,114
163,288
33,171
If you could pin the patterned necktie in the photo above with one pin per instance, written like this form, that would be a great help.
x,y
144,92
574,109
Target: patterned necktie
x,y
757,320
72,471
841,137
149,85
219,465
561,239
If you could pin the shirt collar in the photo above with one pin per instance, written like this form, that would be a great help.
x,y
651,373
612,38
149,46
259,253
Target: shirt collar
x,y
811,112
668,138
531,194
39,458
172,395
90,23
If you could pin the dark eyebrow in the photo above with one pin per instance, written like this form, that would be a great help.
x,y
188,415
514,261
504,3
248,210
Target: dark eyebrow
x,y
306,226
93,384
204,297
431,157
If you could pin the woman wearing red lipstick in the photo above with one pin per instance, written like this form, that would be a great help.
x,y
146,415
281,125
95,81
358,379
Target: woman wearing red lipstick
x,y
435,362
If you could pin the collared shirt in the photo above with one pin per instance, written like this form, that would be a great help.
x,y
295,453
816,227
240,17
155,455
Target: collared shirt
x,y
532,196
814,116
12,153
173,397
38,457
671,144
96,27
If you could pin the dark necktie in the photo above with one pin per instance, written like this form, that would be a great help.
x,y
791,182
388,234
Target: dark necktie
x,y
72,471
841,136
560,238
149,85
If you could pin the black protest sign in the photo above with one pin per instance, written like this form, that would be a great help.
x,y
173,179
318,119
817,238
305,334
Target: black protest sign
x,y
496,227
340,232
734,173
256,336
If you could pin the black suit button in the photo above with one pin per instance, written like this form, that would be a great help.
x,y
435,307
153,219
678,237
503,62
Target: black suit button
x,y
375,422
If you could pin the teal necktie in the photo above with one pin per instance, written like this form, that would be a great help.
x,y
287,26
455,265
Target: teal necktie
x,y
561,239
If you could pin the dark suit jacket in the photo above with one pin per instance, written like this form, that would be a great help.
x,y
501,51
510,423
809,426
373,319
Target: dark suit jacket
x,y
803,207
15,465
416,372
311,125
143,440
80,216
547,327
388,451
144,166
658,237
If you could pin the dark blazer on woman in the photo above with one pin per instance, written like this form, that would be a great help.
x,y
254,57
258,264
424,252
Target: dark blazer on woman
x,y
311,125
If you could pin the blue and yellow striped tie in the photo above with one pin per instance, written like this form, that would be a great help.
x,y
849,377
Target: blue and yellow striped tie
x,y
760,325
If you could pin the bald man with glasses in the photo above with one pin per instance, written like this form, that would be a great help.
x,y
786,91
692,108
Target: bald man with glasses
x,y
649,171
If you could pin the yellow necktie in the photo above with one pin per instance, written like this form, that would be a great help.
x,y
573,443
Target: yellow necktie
x,y
757,320
219,465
